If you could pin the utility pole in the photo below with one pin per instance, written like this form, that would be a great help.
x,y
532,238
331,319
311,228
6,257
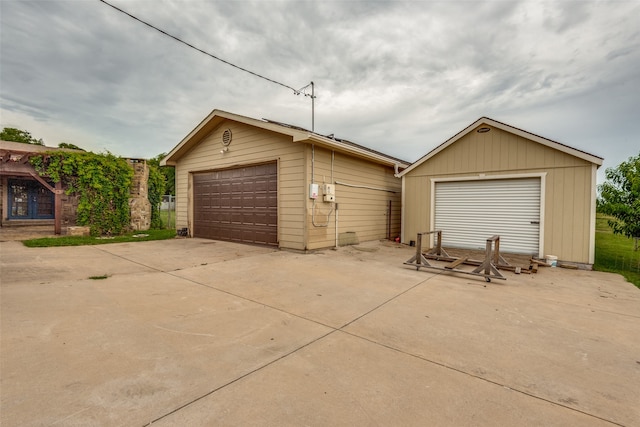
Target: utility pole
x,y
313,107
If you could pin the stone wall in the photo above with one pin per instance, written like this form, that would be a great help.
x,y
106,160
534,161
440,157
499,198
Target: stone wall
x,y
69,210
139,205
3,196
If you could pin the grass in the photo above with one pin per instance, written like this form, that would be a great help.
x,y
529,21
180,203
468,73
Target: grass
x,y
615,254
142,236
164,216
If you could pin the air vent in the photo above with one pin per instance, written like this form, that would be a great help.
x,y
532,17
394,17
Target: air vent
x,y
483,130
226,137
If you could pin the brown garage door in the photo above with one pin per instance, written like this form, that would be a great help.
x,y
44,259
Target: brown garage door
x,y
238,205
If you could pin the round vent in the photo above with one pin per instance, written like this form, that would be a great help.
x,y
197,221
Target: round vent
x,y
483,130
226,137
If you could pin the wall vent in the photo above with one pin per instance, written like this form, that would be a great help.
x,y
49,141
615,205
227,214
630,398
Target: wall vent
x,y
226,137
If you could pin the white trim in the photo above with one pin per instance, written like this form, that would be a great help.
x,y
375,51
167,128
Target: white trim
x,y
482,177
432,207
592,219
543,197
190,215
403,198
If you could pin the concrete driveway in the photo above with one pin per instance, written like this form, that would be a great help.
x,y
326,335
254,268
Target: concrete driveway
x,y
198,332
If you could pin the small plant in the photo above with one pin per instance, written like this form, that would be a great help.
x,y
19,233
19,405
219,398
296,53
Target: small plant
x,y
104,276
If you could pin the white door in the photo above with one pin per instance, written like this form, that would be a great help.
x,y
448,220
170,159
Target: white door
x,y
469,212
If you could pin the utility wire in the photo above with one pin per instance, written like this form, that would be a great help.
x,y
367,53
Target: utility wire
x,y
295,91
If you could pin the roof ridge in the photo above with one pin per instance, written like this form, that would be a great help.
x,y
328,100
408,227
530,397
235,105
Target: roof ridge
x,y
334,138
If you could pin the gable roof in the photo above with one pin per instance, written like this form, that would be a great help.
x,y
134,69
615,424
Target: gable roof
x,y
298,134
503,126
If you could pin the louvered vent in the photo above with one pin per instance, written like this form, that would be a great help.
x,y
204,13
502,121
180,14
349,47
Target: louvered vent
x,y
226,137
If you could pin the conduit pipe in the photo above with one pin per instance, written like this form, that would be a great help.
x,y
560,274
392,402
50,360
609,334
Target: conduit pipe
x,y
366,187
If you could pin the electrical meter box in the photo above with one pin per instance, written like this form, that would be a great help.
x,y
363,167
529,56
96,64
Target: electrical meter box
x,y
328,189
329,198
313,191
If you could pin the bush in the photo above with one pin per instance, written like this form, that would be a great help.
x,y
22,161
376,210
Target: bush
x,y
102,181
156,186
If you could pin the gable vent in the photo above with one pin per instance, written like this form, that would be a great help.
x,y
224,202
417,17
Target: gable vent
x,y
226,137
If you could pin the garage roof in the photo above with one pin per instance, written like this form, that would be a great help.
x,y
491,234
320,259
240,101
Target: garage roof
x,y
499,125
298,134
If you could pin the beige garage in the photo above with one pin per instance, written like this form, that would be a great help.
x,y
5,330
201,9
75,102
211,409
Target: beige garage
x,y
264,182
492,178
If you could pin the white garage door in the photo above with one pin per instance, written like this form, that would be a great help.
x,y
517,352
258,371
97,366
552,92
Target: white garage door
x,y
469,212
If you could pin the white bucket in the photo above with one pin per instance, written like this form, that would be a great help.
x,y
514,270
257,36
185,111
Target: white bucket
x,y
552,260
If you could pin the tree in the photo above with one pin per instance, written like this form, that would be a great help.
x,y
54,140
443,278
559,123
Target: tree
x,y
620,198
169,173
71,146
18,135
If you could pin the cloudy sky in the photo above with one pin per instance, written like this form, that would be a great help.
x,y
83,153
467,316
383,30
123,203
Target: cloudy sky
x,y
398,77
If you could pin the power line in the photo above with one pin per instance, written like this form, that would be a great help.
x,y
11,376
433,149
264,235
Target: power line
x,y
295,91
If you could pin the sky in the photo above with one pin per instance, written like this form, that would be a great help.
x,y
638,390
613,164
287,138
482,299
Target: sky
x,y
397,77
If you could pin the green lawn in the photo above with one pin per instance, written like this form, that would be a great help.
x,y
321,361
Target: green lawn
x,y
168,219
614,252
138,236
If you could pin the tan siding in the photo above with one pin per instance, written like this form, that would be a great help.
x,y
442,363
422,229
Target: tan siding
x,y
249,146
418,200
567,213
567,190
361,210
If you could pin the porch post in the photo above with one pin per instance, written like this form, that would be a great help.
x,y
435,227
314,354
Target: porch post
x,y
58,208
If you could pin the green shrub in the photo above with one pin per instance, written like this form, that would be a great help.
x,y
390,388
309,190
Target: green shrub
x,y
156,186
102,181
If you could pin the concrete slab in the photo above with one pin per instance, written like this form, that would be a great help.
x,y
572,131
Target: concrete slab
x,y
177,254
347,381
598,290
19,264
19,233
123,350
187,332
331,288
582,354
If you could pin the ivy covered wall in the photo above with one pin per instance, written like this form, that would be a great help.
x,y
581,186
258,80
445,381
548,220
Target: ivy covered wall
x,y
103,185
